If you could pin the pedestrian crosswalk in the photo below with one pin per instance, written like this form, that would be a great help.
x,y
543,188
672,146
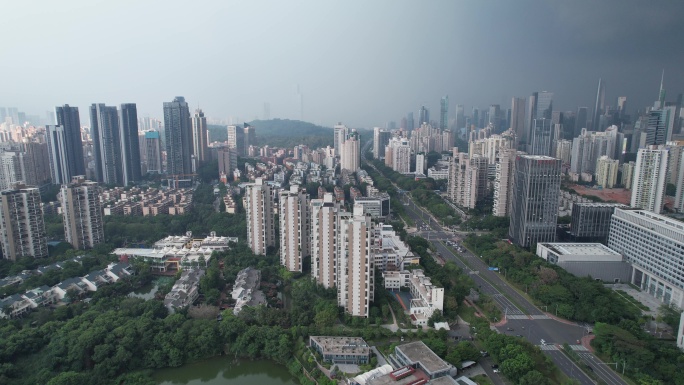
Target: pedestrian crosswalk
x,y
517,316
579,348
540,316
548,347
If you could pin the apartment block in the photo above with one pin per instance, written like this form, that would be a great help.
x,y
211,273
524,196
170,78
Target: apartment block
x,y
293,215
258,203
22,231
82,209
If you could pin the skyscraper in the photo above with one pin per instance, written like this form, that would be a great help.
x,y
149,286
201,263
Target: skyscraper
x,y
82,210
355,263
494,117
258,204
324,267
339,136
380,139
542,138
350,157
130,144
502,182
444,113
534,204
460,117
236,139
581,121
650,179
423,116
598,106
293,214
250,137
72,157
58,154
152,152
660,125
227,161
178,134
410,123
104,125
22,230
199,138
518,120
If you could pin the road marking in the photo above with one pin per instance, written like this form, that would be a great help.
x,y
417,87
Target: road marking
x,y
517,316
540,316
547,347
579,348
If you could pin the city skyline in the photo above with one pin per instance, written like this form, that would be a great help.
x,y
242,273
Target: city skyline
x,y
576,47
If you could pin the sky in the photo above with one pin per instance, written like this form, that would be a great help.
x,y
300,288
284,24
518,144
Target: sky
x,y
363,63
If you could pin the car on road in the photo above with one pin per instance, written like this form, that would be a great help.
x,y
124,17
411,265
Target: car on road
x,y
495,366
519,335
510,329
496,370
484,353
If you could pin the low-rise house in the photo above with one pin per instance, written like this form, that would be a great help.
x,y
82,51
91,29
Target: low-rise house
x,y
341,350
246,289
185,291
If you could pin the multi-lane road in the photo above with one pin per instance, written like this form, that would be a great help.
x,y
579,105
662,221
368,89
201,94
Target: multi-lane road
x,y
522,318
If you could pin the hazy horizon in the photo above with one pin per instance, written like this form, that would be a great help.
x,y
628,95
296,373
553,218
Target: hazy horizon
x,y
361,63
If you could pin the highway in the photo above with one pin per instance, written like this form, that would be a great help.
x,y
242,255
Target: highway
x,y
522,317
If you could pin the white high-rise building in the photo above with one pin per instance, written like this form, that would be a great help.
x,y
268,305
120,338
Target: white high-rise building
x,y
503,182
421,163
606,172
12,169
200,149
650,179
293,215
627,175
398,155
350,157
258,204
356,268
82,210
564,151
340,132
654,245
22,230
324,240
467,179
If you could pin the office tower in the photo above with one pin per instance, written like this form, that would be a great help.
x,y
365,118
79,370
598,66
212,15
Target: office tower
x,y
410,123
340,132
199,138
679,193
71,144
649,181
350,157
423,116
622,106
151,152
37,162
227,161
591,221
323,235
544,105
236,139
654,245
130,144
494,117
104,126
502,182
518,120
675,151
58,154
542,138
293,214
380,139
627,177
460,117
444,113
534,202
661,94
82,211
564,151
178,135
581,122
421,163
606,172
258,203
598,106
660,125
22,231
356,267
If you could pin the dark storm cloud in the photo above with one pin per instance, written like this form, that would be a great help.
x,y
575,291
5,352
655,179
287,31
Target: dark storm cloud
x,y
363,63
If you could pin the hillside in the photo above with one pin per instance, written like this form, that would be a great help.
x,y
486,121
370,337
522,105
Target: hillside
x,y
282,133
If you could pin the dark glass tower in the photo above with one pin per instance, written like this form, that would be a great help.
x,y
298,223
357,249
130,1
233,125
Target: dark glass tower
x,y
104,127
178,134
68,118
130,144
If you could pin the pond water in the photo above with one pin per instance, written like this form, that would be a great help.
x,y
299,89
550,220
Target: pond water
x,y
146,292
226,371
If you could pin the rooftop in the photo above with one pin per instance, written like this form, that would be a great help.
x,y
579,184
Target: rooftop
x,y
580,249
342,345
419,352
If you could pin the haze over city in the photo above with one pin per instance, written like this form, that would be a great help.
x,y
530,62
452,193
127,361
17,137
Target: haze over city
x,y
363,63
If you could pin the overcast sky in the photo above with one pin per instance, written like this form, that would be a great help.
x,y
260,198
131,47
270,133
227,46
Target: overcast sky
x,y
360,62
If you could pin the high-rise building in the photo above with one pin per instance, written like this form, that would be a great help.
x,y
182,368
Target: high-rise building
x,y
340,132
542,138
236,139
423,116
564,151
227,161
494,117
606,172
627,175
518,120
460,117
591,221
660,125
82,211
502,182
250,137
22,230
178,135
598,106
12,169
293,214
199,138
421,163
581,120
350,156
355,263
467,183
104,126
380,139
324,267
258,203
151,152
650,177
130,144
37,161
534,202
444,113
410,122
398,155
70,156
654,245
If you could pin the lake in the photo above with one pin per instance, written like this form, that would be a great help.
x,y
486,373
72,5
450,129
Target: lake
x,y
226,371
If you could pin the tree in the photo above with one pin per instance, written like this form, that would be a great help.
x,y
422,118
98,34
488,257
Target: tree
x,y
533,378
